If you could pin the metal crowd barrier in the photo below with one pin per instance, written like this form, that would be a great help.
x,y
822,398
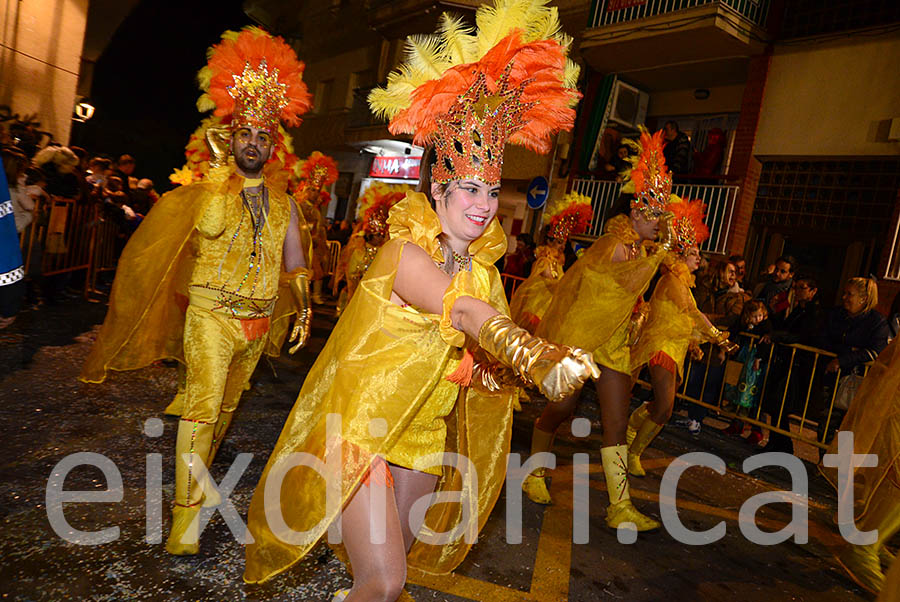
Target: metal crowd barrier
x,y
334,254
510,284
67,237
794,358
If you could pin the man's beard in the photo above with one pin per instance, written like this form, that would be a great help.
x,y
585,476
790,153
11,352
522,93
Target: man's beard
x,y
249,165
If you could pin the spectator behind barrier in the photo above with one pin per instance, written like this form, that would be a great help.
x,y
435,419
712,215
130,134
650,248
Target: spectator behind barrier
x,y
776,293
856,332
740,272
716,298
753,357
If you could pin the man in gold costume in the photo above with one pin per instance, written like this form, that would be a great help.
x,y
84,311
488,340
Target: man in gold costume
x,y
225,241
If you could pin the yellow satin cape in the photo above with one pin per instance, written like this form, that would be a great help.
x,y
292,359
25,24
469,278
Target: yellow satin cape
x,y
385,362
874,419
530,301
593,302
145,321
674,322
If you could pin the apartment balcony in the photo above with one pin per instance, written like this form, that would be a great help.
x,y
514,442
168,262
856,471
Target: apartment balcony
x,y
398,18
669,44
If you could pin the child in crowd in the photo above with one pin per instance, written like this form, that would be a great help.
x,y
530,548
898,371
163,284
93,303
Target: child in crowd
x,y
753,357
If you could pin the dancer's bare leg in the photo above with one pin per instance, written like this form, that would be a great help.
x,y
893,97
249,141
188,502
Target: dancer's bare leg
x,y
409,486
613,393
663,382
555,413
379,570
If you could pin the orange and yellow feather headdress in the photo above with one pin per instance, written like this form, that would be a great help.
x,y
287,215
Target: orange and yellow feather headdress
x,y
648,179
569,215
687,223
318,172
254,78
469,92
375,204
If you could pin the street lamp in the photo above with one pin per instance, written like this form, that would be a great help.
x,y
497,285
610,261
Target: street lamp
x,y
83,111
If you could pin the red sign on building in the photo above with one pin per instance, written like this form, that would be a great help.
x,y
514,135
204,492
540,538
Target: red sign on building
x,y
396,167
612,5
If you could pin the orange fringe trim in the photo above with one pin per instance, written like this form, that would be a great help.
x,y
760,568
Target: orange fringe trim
x,y
462,376
661,358
379,473
255,328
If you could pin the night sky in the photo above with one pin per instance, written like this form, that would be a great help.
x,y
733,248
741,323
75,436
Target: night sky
x,y
144,88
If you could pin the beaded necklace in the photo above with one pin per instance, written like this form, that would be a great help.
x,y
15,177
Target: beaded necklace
x,y
464,262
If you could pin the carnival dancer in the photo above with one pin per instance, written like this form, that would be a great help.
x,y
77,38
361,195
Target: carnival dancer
x,y
874,420
570,215
387,396
316,173
674,326
598,305
238,227
374,205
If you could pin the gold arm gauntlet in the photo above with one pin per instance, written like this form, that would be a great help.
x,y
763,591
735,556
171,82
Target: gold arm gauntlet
x,y
720,338
666,231
492,376
638,318
302,324
557,371
218,140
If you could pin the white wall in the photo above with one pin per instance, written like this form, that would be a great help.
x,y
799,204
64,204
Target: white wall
x,y
830,99
40,58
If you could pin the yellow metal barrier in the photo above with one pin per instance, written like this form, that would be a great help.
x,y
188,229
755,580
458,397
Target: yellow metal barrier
x,y
780,423
334,254
511,283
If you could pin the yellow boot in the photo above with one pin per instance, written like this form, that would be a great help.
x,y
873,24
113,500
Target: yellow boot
x,y
193,444
648,431
211,497
862,562
177,406
635,421
621,510
534,485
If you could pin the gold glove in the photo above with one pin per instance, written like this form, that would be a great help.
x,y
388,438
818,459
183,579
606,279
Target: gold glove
x,y
556,370
638,318
721,339
302,324
666,231
218,141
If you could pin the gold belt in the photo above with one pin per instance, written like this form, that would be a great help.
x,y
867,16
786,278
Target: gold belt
x,y
230,304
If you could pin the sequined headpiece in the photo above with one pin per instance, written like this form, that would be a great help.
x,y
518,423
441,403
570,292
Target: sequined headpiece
x,y
649,179
318,170
687,223
375,204
570,215
470,93
254,79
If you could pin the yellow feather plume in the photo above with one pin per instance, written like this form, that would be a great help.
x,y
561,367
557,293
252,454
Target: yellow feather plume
x,y
459,45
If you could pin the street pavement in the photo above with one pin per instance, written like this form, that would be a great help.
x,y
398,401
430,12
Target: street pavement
x,y
48,415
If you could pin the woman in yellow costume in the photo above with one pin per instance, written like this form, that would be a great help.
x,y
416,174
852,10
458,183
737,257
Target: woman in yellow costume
x,y
316,173
596,306
392,379
673,326
571,215
374,206
874,420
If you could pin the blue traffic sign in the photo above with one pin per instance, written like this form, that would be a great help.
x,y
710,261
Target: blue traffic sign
x,y
538,191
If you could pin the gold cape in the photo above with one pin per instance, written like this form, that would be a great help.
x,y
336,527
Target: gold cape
x,y
531,300
593,302
874,419
383,361
674,321
145,320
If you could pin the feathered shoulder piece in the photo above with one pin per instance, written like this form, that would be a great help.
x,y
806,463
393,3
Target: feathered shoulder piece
x,y
569,215
254,78
470,91
687,223
648,179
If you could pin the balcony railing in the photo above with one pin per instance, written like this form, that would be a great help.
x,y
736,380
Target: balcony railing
x,y
720,202
614,12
